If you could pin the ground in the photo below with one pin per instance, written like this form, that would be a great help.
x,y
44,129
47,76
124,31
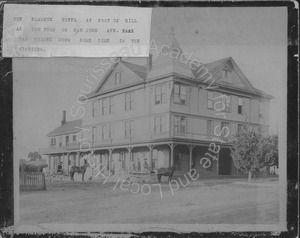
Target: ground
x,y
215,201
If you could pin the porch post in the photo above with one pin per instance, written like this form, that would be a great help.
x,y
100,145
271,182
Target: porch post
x,y
49,162
109,159
191,156
218,172
130,158
171,161
68,159
150,155
77,162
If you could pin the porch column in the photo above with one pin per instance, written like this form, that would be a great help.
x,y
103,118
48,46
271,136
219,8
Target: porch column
x,y
191,156
49,162
109,159
68,159
77,159
130,158
150,155
171,161
218,172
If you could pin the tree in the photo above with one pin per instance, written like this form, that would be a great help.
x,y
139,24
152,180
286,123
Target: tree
x,y
34,156
252,150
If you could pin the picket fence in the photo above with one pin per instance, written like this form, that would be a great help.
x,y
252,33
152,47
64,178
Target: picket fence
x,y
32,181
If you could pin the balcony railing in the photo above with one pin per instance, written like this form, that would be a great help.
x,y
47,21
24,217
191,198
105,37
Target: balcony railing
x,y
85,144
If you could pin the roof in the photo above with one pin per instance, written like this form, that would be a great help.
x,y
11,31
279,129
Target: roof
x,y
141,71
170,60
215,64
68,127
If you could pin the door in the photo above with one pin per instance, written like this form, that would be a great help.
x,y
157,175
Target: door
x,y
225,161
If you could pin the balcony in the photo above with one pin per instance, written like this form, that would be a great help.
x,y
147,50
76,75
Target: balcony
x,y
85,145
60,148
194,136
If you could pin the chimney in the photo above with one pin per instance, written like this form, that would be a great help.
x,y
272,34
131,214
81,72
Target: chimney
x,y
149,62
63,118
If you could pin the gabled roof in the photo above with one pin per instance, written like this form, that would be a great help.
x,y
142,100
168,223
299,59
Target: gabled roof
x,y
140,71
215,66
68,127
171,60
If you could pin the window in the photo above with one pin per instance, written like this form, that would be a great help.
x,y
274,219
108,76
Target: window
x,y
239,129
111,105
111,131
74,138
60,141
161,94
261,109
129,101
104,106
94,109
180,124
160,124
107,105
128,128
53,141
226,131
227,100
94,132
179,93
210,100
105,132
210,129
67,140
118,78
240,105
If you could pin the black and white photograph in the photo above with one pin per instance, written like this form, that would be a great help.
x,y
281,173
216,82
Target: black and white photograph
x,y
190,137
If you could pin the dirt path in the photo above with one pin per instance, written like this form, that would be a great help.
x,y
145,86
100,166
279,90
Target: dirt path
x,y
214,202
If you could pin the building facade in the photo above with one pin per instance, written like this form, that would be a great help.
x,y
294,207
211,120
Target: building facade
x,y
172,111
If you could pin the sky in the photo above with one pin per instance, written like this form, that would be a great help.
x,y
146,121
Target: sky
x,y
256,38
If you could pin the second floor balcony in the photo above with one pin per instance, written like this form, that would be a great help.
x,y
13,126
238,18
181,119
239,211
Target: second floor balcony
x,y
86,144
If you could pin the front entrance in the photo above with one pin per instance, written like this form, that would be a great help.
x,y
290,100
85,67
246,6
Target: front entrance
x,y
225,162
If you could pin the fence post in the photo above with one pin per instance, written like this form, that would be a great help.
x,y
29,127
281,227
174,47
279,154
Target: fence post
x,y
44,180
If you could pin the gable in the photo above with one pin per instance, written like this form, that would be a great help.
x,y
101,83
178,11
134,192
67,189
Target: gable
x,y
120,77
228,73
229,77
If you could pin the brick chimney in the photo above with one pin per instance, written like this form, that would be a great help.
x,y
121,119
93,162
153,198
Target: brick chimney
x,y
63,118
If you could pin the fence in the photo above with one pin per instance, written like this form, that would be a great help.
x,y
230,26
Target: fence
x,y
32,181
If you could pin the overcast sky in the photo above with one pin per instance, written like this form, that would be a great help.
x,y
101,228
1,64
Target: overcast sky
x,y
256,38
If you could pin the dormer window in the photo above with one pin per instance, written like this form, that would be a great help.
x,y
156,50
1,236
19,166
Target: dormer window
x,y
118,78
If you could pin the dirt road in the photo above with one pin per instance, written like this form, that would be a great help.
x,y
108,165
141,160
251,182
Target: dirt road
x,y
226,201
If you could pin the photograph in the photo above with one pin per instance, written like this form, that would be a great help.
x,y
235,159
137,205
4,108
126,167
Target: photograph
x,y
190,138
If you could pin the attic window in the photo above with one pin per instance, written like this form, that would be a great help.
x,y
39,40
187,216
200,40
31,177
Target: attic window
x,y
118,78
227,74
